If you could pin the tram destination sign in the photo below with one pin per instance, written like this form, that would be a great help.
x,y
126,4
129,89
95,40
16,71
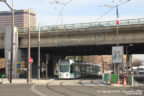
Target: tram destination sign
x,y
117,54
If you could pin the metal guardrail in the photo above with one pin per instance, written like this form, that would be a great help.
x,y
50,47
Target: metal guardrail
x,y
82,25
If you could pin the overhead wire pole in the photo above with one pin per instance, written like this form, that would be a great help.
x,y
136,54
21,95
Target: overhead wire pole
x,y
12,34
117,31
28,67
117,22
39,52
12,43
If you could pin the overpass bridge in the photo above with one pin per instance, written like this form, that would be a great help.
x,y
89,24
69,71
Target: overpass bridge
x,y
78,39
83,35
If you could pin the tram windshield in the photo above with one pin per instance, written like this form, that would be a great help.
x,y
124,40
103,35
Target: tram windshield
x,y
64,66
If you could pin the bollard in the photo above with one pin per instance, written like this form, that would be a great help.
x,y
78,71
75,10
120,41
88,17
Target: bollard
x,y
124,81
2,78
132,79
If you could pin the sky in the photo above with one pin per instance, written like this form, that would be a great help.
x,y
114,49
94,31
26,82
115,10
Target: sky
x,y
48,12
78,11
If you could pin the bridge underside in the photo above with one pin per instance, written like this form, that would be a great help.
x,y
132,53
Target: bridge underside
x,y
1,53
85,50
90,50
60,52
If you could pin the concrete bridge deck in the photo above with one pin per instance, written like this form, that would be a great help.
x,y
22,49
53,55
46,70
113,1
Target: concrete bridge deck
x,y
83,34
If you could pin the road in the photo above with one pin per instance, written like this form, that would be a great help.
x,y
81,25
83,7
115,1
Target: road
x,y
68,88
16,90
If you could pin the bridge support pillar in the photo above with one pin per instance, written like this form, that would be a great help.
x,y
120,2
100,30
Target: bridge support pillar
x,y
7,49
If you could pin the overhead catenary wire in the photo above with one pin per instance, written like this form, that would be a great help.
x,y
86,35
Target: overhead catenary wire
x,y
111,8
62,10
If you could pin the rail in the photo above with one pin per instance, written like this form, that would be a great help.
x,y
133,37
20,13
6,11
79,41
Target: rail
x,y
89,25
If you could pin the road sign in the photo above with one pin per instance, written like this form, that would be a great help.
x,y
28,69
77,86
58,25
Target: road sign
x,y
117,54
30,60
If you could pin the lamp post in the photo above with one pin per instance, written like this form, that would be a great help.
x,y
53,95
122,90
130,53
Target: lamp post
x,y
12,44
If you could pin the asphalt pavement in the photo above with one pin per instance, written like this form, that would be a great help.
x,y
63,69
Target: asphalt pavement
x,y
16,90
69,88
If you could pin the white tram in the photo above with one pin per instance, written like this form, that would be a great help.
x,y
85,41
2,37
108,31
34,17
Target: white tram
x,y
71,69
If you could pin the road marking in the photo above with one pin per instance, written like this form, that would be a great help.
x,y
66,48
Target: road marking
x,y
36,91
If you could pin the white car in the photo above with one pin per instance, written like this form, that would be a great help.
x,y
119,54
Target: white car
x,y
141,69
134,70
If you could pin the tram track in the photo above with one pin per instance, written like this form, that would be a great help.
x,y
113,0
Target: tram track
x,y
54,90
80,82
74,90
65,87
92,87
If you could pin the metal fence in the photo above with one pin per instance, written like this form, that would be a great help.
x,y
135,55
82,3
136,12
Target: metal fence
x,y
89,25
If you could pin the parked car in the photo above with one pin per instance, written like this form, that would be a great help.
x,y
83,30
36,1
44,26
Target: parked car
x,y
141,69
134,70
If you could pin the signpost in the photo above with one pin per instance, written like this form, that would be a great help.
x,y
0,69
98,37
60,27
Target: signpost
x,y
117,58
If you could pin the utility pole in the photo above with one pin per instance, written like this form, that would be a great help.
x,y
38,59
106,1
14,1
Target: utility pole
x,y
9,58
102,64
47,58
12,43
28,67
117,21
12,34
127,60
39,52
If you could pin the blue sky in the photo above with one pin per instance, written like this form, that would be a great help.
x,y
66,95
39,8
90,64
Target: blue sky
x,y
78,11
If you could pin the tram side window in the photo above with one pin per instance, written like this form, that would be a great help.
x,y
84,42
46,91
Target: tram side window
x,y
77,68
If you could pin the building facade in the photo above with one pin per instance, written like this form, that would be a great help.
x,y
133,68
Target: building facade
x,y
20,18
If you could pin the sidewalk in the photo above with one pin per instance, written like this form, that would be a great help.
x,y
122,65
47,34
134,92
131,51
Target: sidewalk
x,y
54,81
24,81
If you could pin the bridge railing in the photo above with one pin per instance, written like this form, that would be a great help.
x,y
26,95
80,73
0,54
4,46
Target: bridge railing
x,y
93,25
82,25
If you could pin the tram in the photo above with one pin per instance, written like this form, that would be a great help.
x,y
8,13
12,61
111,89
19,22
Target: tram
x,y
71,69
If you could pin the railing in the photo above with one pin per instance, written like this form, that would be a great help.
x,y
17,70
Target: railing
x,y
83,25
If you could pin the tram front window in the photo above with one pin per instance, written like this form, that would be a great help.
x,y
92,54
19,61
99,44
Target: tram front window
x,y
64,66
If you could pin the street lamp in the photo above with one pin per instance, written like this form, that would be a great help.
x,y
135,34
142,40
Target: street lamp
x,y
12,44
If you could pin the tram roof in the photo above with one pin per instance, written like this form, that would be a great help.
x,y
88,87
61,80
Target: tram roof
x,y
84,63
